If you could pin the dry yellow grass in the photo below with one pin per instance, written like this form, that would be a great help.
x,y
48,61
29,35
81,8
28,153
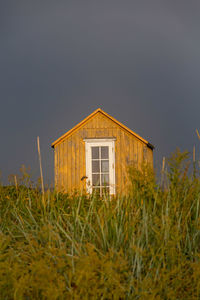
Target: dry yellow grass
x,y
144,246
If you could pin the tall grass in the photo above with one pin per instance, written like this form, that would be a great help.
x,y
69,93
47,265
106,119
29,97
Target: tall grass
x,y
142,246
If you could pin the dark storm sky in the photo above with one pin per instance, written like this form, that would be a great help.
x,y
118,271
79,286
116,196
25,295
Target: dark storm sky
x,y
60,60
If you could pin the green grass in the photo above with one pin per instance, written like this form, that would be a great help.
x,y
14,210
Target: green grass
x,y
142,246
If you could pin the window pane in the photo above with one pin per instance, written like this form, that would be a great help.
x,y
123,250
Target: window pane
x,y
104,179
95,152
104,166
96,179
95,166
104,152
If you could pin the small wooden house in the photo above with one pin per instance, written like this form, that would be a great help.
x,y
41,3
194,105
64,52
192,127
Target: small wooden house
x,y
95,155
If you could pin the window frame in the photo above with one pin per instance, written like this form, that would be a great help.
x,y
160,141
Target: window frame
x,y
99,142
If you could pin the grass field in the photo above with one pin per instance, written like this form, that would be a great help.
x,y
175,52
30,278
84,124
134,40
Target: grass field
x,y
143,246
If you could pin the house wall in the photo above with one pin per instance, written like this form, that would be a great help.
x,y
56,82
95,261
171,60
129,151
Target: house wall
x,y
70,154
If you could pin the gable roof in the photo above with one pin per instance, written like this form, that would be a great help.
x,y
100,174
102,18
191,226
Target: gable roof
x,y
84,121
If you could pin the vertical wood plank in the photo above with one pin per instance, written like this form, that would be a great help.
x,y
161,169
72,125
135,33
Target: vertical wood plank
x,y
69,171
73,162
119,153
136,153
58,156
55,168
131,151
77,162
140,155
127,158
124,153
62,166
65,166
81,162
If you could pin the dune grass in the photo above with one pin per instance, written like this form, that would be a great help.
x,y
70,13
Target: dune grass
x,y
142,246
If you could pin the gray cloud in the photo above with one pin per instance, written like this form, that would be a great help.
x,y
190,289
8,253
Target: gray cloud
x,y
60,60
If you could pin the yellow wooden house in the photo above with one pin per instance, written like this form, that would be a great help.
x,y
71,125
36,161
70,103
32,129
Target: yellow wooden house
x,y
96,153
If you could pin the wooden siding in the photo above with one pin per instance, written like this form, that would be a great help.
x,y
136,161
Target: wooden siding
x,y
70,154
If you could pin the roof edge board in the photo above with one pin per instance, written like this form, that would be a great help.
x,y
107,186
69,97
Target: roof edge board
x,y
77,126
150,146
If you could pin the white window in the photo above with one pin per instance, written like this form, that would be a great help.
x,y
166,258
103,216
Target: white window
x,y
100,165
